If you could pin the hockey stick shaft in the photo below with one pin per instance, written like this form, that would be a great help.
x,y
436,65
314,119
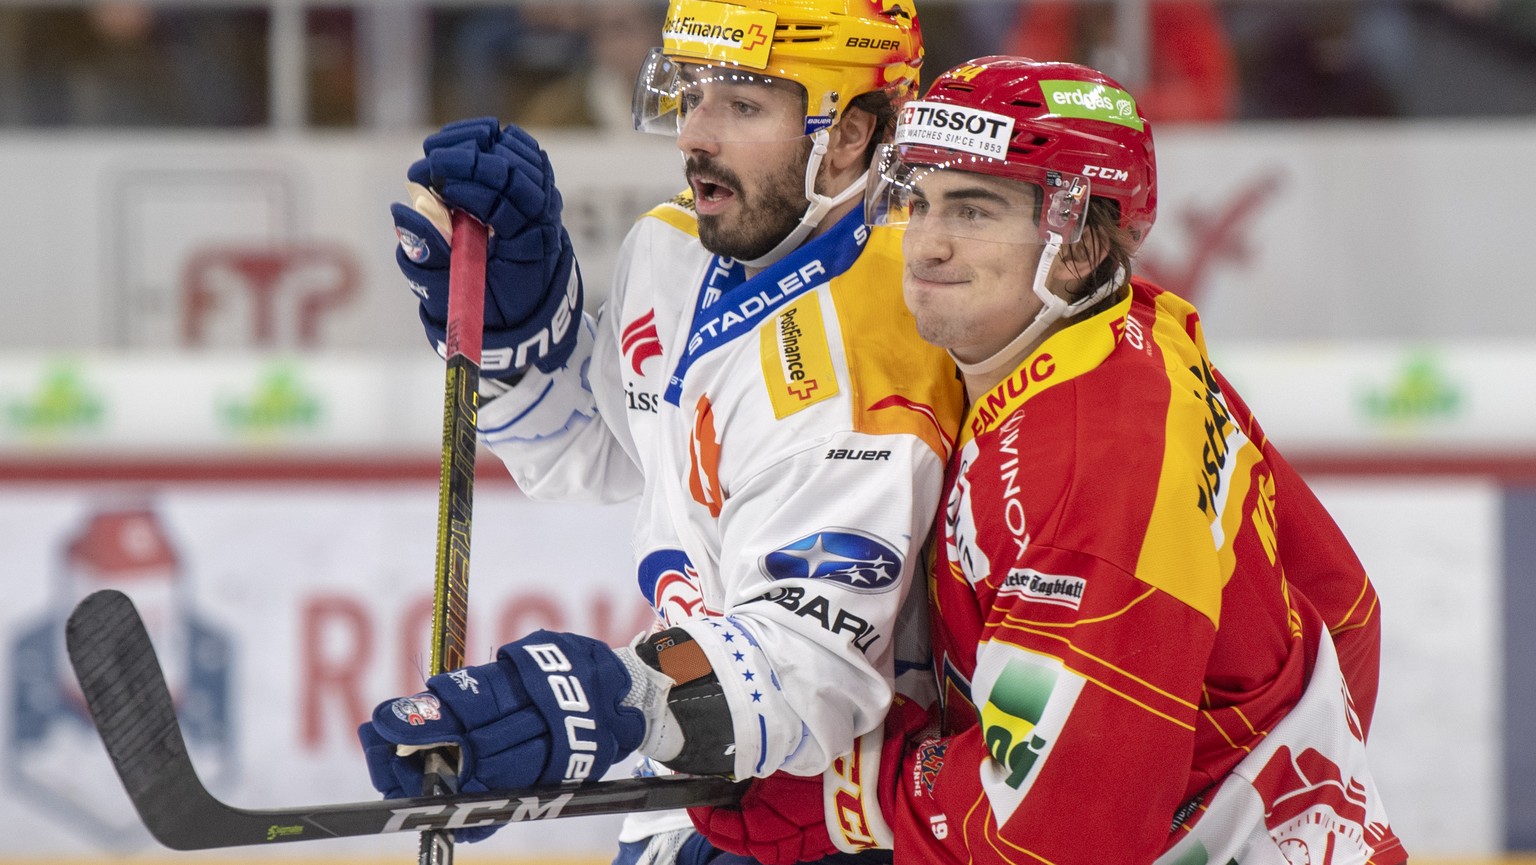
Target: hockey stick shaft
x,y
126,692
456,488
461,399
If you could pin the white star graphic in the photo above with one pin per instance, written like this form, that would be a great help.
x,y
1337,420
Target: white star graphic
x,y
816,556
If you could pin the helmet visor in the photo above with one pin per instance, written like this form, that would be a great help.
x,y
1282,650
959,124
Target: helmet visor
x,y
936,190
718,102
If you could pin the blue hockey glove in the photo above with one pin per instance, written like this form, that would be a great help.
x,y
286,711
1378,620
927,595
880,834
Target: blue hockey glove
x,y
546,711
401,777
533,292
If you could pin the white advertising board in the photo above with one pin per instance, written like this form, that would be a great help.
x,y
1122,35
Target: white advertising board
x,y
287,611
1324,231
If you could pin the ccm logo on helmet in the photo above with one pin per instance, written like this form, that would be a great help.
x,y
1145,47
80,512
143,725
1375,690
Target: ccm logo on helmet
x,y
1106,172
570,697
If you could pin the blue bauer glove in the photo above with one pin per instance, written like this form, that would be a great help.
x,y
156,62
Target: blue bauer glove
x,y
546,711
533,291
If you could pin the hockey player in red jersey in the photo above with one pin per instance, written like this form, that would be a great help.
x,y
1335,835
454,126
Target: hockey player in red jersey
x,y
1153,644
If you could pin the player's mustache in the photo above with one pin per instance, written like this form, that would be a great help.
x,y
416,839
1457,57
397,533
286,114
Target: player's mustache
x,y
704,168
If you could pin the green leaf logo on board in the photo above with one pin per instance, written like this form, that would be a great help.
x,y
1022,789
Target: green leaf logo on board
x,y
1421,391
62,402
279,402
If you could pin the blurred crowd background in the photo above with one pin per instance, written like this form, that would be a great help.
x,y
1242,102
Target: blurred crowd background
x,y
220,63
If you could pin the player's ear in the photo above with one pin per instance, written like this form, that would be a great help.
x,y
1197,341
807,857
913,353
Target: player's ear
x,y
849,138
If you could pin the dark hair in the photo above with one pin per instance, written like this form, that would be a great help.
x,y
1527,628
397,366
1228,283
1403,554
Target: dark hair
x,y
879,105
1101,229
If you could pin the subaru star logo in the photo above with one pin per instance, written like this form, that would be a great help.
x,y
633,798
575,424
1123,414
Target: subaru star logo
x,y
860,561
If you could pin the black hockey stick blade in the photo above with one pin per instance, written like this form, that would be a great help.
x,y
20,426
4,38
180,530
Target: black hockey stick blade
x,y
131,704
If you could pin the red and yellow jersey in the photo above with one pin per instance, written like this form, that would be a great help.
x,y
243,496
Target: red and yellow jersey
x,y
1131,611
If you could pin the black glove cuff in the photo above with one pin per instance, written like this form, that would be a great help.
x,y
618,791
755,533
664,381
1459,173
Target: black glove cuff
x,y
697,701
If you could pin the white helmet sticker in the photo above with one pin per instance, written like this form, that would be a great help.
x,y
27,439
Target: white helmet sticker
x,y
984,133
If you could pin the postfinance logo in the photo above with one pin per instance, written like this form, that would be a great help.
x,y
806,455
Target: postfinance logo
x,y
1011,716
719,31
1091,102
797,362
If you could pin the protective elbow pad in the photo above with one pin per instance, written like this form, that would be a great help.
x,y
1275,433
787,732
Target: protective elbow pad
x,y
697,702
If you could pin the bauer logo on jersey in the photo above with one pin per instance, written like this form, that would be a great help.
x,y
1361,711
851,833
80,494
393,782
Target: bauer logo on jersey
x,y
1044,588
797,364
859,561
719,31
972,130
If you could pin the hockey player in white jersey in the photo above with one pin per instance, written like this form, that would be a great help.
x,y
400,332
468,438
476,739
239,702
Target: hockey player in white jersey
x,y
755,380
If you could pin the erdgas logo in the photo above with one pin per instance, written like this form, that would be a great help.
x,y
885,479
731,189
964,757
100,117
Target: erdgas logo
x,y
1091,102
972,130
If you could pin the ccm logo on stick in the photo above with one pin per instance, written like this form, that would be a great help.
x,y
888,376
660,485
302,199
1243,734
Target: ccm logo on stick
x,y
570,697
481,813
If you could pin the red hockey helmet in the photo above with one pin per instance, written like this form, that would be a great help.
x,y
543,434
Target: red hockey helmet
x,y
1048,124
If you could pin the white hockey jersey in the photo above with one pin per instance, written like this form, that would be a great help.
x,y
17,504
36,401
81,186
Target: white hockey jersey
x,y
787,436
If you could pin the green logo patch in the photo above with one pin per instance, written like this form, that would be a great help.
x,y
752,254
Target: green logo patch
x,y
1091,102
1010,714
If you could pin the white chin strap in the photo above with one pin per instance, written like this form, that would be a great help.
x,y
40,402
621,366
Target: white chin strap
x,y
1054,308
820,205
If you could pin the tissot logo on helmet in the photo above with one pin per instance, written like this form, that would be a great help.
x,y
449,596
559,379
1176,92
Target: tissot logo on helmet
x,y
972,130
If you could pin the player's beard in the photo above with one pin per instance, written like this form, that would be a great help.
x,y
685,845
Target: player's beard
x,y
766,214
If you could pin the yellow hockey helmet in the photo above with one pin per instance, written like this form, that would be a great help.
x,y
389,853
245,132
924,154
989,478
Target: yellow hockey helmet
x,y
837,50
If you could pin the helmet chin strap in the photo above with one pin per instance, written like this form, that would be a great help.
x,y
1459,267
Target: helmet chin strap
x,y
1053,308
820,206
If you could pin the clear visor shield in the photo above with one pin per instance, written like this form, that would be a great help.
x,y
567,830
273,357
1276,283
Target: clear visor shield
x,y
718,102
962,195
